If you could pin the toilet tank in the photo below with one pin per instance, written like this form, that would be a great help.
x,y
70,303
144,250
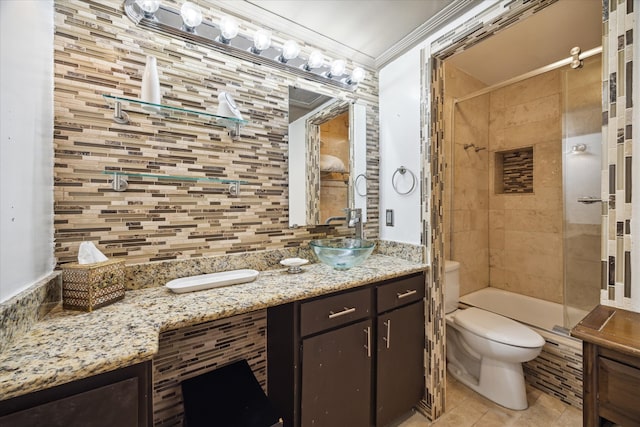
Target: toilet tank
x,y
451,285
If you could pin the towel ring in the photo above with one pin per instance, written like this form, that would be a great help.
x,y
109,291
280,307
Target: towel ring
x,y
355,184
402,170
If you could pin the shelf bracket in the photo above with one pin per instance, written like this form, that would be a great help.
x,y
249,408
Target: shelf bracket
x,y
234,131
234,189
119,183
120,116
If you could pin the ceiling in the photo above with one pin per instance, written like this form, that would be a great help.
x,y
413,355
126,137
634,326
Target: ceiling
x,y
369,27
365,31
537,41
374,32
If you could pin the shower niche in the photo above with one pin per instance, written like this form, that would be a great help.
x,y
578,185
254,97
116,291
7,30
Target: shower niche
x,y
514,171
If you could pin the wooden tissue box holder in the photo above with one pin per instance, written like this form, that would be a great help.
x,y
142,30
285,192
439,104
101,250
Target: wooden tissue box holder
x,y
89,286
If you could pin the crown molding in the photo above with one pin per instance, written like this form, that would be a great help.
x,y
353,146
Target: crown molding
x,y
450,12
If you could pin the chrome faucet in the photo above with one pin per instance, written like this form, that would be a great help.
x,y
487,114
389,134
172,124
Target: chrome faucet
x,y
335,218
354,219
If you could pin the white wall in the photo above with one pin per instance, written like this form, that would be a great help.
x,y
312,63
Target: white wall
x,y
26,147
399,93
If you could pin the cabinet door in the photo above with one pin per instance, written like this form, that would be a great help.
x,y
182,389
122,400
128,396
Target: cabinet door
x,y
336,377
112,405
618,392
400,370
117,398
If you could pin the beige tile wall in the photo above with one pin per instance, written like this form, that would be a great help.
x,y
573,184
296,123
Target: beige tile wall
x,y
526,229
466,215
502,240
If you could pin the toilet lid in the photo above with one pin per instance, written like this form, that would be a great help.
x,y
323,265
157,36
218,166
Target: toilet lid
x,y
497,328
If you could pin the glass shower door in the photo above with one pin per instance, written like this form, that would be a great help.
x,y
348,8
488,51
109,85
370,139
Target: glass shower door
x,y
582,190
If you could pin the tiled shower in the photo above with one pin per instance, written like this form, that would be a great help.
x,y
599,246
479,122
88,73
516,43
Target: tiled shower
x,y
518,160
522,155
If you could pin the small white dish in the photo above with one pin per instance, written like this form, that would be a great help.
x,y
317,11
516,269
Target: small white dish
x,y
294,264
213,280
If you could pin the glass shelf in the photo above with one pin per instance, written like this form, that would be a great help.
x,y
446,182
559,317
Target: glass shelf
x,y
232,123
120,183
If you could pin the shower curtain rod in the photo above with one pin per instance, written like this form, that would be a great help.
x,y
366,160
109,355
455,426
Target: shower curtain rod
x,y
529,74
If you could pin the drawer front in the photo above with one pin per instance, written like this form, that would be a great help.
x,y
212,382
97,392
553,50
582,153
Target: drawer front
x,y
332,311
618,392
400,292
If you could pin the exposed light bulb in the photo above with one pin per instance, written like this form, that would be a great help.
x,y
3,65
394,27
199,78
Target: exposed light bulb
x,y
290,50
191,16
316,59
149,7
357,75
338,68
228,29
261,41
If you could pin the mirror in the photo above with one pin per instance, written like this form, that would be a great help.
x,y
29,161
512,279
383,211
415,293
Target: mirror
x,y
327,158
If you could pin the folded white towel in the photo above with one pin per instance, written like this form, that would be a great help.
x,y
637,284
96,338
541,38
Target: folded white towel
x,y
329,163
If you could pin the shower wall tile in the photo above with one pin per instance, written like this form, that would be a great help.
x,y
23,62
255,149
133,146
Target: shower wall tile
x,y
468,171
532,111
527,133
469,129
523,92
98,50
528,114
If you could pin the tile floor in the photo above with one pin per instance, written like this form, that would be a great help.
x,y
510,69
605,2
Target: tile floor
x,y
467,408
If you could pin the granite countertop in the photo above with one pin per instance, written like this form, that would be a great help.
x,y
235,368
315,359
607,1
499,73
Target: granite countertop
x,y
68,345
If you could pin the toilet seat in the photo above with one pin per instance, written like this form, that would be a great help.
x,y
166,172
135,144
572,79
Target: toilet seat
x,y
497,328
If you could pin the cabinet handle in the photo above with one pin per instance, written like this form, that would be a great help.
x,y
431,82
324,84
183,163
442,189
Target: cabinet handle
x,y
346,310
368,345
387,339
406,294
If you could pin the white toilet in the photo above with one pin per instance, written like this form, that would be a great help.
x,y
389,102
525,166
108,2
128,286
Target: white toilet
x,y
485,351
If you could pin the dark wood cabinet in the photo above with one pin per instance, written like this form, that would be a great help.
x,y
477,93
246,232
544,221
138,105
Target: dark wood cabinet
x,y
352,358
118,398
400,366
336,377
611,365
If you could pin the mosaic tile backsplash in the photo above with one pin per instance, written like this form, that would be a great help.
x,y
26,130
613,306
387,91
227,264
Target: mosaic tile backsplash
x,y
517,171
194,350
98,50
617,115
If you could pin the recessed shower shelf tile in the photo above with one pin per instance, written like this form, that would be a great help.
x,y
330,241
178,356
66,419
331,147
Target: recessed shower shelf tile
x,y
170,111
120,183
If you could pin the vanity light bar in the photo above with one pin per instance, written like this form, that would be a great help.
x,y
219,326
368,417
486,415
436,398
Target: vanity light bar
x,y
166,20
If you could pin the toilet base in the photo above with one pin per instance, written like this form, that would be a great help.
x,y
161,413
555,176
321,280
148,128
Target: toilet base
x,y
501,382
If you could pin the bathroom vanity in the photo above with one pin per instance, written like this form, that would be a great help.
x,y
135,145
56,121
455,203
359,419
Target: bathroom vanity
x,y
611,347
363,346
73,360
